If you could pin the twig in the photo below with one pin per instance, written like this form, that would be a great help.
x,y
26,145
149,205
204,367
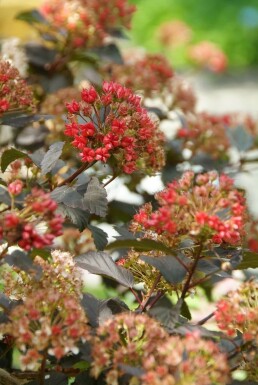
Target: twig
x,y
136,296
43,369
205,319
155,283
191,273
155,299
110,180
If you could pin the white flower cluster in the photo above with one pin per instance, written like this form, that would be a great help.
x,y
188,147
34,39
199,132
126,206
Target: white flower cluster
x,y
12,51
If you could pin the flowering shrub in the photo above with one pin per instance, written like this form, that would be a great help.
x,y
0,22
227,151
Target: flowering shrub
x,y
91,128
208,55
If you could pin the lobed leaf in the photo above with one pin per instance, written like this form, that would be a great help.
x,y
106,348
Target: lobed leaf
x,y
102,264
51,157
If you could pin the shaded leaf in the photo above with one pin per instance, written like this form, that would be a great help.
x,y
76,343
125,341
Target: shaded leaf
x,y
5,196
91,306
51,157
240,138
170,268
31,17
40,55
187,328
209,266
78,217
185,312
24,262
52,378
98,311
100,237
102,264
10,156
84,378
109,307
141,244
68,196
109,52
132,370
167,313
124,233
21,121
5,302
250,260
95,198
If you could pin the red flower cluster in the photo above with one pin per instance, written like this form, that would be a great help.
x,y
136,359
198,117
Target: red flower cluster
x,y
198,208
86,22
208,55
239,311
15,94
205,132
35,226
139,341
113,126
156,76
46,320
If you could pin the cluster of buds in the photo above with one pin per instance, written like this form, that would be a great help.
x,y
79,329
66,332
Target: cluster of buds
x,y
207,55
157,80
238,311
204,132
36,225
86,23
112,126
139,341
54,104
58,272
15,94
206,209
47,322
156,76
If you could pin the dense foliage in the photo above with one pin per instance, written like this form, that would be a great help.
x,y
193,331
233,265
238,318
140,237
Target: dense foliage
x,y
79,114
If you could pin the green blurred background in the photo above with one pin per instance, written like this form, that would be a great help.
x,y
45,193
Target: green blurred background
x,y
231,24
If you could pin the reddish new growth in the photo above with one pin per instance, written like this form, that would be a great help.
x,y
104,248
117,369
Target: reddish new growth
x,y
239,312
47,321
36,225
201,208
208,55
139,341
86,23
112,126
15,94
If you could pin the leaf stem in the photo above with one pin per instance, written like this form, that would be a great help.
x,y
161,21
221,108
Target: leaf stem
x,y
205,319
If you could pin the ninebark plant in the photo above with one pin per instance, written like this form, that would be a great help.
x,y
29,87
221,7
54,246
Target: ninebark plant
x,y
53,195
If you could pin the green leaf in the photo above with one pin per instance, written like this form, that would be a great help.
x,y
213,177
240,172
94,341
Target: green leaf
x,y
250,260
141,244
170,267
10,156
51,157
31,17
102,264
99,237
95,198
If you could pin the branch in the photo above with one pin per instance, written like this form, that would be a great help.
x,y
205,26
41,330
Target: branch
x,y
76,173
155,283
